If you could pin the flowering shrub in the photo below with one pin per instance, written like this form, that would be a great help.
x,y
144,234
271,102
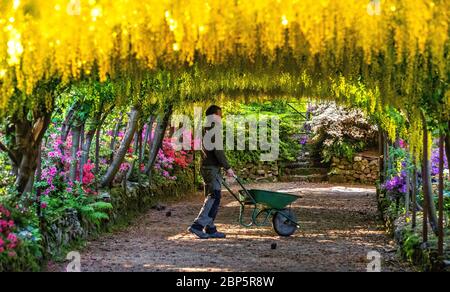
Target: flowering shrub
x,y
88,176
19,245
435,162
54,178
397,184
168,160
8,239
340,132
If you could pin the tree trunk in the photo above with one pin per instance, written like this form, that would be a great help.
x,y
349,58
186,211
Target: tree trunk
x,y
408,192
414,195
114,137
80,169
381,153
39,164
27,143
65,128
148,132
76,132
118,158
441,198
447,145
139,156
427,186
136,152
97,150
163,123
85,148
26,170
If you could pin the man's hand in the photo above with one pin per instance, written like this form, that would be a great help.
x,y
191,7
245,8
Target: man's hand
x,y
230,173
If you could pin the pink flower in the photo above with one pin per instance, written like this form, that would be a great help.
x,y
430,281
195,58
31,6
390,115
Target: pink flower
x,y
4,211
43,205
88,176
124,167
3,224
12,254
12,237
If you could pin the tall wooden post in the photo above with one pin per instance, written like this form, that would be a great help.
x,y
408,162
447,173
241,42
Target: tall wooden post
x,y
408,193
382,155
424,184
414,195
441,198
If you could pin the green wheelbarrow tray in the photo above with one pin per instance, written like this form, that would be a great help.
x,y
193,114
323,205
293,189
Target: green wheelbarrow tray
x,y
271,200
266,205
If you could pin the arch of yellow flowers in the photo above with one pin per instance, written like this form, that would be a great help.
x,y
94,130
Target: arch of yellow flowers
x,y
396,50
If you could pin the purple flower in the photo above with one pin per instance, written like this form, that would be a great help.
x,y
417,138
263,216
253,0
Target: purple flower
x,y
304,140
435,162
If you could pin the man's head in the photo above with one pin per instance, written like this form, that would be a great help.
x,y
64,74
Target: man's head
x,y
214,110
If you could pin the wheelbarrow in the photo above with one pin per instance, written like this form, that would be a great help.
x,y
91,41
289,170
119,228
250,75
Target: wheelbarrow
x,y
266,206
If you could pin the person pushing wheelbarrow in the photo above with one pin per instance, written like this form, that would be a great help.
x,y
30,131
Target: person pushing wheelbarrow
x,y
212,163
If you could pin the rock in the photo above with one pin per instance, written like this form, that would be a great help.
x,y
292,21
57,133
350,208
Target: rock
x,y
357,158
261,172
335,160
159,207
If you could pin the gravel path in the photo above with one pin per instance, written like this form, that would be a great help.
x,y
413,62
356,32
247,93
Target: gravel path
x,y
339,226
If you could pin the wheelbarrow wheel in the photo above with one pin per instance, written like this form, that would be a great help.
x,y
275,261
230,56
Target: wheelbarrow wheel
x,y
284,223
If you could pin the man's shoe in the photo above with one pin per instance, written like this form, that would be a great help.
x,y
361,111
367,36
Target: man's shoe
x,y
217,235
199,233
213,233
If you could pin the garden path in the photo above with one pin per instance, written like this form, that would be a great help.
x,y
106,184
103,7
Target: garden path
x,y
339,227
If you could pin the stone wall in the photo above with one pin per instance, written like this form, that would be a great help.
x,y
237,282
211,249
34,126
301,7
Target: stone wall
x,y
363,169
264,171
128,202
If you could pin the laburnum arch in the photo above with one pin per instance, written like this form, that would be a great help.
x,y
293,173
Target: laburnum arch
x,y
398,49
389,57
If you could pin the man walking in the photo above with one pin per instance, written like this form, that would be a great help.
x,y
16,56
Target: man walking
x,y
212,162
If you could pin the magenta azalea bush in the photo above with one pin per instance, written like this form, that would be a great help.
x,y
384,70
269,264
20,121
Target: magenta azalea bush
x,y
19,246
54,178
8,239
170,161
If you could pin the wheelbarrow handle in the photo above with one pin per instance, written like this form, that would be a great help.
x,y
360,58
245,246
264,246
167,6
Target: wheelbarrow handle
x,y
241,184
223,182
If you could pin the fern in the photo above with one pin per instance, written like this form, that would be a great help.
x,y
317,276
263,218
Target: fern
x,y
95,212
101,206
